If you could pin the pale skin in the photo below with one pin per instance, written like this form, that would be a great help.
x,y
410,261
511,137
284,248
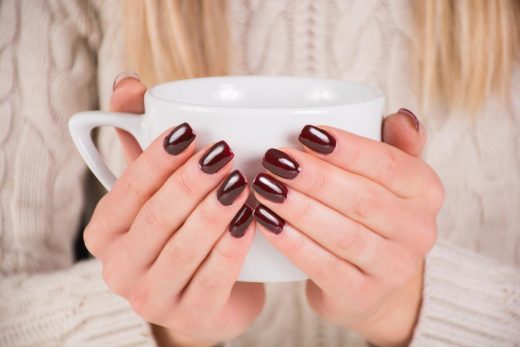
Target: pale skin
x,y
359,222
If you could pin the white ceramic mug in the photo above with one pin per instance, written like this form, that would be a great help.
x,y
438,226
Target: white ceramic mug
x,y
252,114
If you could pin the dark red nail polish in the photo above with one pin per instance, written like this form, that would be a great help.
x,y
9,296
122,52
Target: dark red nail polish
x,y
123,76
179,139
317,139
270,188
270,220
281,164
241,221
231,188
216,157
412,116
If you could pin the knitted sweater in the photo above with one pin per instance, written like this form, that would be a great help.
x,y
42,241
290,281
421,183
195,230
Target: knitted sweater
x,y
58,57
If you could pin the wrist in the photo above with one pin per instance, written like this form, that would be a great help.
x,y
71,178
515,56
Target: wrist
x,y
168,338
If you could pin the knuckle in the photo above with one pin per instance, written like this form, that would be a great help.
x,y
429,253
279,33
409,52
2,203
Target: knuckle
x,y
294,245
302,209
428,238
130,186
140,303
227,252
388,166
91,239
113,278
179,257
154,163
324,269
92,234
439,194
209,283
435,191
209,215
368,202
353,156
153,215
348,238
318,182
185,182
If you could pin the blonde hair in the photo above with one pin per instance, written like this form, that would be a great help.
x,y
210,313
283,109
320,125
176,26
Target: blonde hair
x,y
467,50
176,39
467,47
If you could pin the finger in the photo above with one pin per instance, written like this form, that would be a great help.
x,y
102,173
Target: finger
x,y
396,170
190,245
336,233
211,285
188,199
161,252
403,130
334,275
128,97
117,210
352,195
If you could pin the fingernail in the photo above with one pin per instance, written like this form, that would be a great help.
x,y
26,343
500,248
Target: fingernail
x,y
317,139
270,188
270,220
281,164
231,188
179,139
123,76
216,157
412,116
239,223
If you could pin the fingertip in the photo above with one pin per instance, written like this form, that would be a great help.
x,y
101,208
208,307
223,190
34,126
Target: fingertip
x,y
242,223
219,157
128,95
124,75
405,132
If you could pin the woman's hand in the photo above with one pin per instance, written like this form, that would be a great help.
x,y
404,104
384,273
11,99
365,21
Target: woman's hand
x,y
358,216
162,235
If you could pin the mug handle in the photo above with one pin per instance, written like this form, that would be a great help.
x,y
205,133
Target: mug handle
x,y
80,127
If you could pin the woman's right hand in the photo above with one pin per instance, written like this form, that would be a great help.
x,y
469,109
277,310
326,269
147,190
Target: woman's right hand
x,y
161,235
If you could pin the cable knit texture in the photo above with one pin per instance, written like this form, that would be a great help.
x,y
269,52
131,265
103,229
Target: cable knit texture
x,y
59,57
47,72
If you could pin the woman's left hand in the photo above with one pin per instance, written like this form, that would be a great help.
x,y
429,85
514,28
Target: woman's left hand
x,y
358,216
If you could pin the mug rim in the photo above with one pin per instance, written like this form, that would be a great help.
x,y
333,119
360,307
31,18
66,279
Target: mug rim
x,y
377,94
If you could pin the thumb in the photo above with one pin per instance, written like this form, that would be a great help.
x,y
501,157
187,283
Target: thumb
x,y
404,131
128,96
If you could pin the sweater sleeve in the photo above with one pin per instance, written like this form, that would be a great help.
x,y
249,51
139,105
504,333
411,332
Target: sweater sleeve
x,y
47,73
468,300
71,307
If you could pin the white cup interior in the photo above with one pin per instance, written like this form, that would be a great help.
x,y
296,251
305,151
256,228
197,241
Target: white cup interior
x,y
264,92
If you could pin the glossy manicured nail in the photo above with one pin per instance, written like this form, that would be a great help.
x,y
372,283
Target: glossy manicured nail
x,y
412,117
123,76
216,157
179,139
270,188
231,188
270,220
241,221
317,139
281,164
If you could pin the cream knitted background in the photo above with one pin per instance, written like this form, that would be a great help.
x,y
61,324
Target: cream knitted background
x,y
59,57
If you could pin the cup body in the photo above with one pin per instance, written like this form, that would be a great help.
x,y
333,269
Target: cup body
x,y
253,114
